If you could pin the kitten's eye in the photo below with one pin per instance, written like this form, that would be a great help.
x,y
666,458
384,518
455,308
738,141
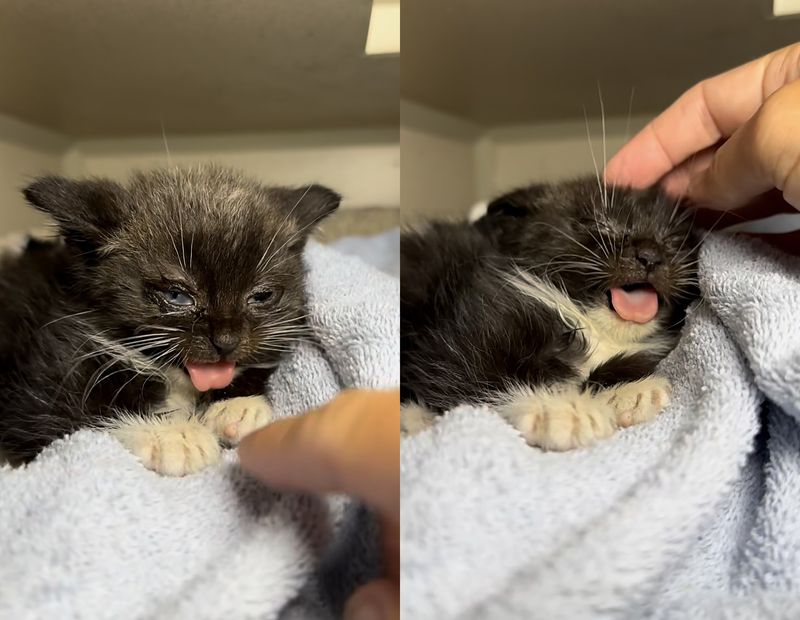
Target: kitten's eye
x,y
261,297
176,297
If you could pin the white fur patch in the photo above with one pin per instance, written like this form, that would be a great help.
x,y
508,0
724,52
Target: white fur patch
x,y
564,417
606,335
232,419
172,440
414,419
174,444
638,401
558,418
181,394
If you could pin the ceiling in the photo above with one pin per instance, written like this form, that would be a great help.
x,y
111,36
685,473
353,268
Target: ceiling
x,y
519,61
95,68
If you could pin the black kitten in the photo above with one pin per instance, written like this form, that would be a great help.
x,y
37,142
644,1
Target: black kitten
x,y
555,307
159,313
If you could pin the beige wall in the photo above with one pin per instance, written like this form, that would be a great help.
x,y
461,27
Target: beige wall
x,y
515,155
362,165
25,152
449,164
438,163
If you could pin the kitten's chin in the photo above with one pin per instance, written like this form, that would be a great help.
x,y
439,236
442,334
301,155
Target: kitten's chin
x,y
216,376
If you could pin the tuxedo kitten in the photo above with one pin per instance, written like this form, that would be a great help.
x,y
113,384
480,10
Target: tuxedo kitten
x,y
554,308
159,313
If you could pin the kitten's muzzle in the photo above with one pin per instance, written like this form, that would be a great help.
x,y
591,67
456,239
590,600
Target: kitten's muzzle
x,y
643,264
225,342
649,258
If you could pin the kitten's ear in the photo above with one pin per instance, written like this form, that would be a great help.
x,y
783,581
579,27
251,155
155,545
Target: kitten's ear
x,y
85,211
308,206
518,203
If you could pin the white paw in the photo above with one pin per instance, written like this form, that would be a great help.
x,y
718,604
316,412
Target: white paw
x,y
172,447
560,418
232,419
639,401
414,419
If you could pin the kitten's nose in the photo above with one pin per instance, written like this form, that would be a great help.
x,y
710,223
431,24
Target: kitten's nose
x,y
648,256
225,342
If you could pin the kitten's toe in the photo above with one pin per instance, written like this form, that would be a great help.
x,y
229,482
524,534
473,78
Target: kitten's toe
x,y
639,401
234,418
172,448
561,419
414,419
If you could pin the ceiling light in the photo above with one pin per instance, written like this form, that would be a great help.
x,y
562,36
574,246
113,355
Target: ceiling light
x,y
782,8
384,28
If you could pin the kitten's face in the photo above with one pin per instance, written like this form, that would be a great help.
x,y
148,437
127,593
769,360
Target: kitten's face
x,y
619,248
200,269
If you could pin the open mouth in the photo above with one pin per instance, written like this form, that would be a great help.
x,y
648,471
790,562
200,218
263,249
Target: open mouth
x,y
636,302
214,376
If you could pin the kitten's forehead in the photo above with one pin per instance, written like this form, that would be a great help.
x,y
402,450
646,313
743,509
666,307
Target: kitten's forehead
x,y
236,243
632,208
221,211
216,195
215,220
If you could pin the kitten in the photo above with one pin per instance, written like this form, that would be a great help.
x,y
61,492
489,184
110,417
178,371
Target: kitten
x,y
159,313
554,308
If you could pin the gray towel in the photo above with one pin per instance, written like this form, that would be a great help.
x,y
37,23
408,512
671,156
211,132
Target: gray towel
x,y
87,532
696,515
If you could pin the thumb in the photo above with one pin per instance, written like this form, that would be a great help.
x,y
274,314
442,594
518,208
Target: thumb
x,y
761,155
378,600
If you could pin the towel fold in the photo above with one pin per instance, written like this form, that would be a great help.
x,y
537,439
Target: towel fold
x,y
87,532
692,515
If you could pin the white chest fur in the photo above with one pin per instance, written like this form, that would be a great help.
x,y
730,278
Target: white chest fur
x,y
181,394
605,334
608,336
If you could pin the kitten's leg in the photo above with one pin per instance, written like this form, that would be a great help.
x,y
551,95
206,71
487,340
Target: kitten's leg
x,y
414,419
233,418
173,444
638,401
562,417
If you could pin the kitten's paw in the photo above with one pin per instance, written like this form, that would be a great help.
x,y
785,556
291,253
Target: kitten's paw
x,y
561,418
639,401
414,419
234,418
169,447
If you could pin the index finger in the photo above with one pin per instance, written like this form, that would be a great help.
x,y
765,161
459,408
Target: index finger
x,y
704,114
351,445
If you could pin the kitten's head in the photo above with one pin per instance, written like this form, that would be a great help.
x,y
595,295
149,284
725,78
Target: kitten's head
x,y
631,251
198,268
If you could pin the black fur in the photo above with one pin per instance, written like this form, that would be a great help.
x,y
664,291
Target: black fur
x,y
468,335
200,232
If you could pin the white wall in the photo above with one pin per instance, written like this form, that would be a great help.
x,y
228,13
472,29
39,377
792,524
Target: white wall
x,y
514,155
438,163
362,165
449,164
25,152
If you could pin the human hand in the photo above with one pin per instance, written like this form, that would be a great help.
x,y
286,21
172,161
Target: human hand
x,y
727,143
350,445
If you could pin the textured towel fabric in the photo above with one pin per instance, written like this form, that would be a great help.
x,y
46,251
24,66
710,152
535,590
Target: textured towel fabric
x,y
381,250
694,515
87,532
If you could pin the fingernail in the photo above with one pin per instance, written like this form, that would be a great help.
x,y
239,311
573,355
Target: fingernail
x,y
365,611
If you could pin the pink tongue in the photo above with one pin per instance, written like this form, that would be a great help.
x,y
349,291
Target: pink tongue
x,y
639,306
211,376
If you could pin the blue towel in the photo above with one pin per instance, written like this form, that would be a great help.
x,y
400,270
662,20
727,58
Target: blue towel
x,y
695,515
87,532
